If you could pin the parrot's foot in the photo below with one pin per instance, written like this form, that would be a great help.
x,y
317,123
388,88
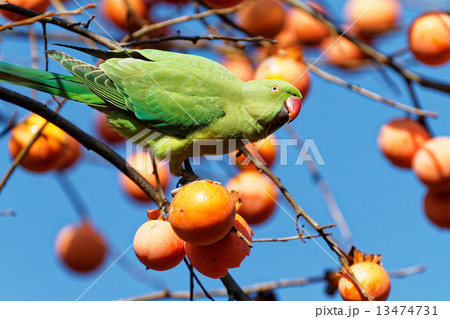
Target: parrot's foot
x,y
188,175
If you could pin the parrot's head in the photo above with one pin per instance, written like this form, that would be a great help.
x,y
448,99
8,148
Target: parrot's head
x,y
272,103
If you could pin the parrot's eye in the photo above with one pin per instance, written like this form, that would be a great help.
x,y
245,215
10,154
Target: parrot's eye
x,y
275,89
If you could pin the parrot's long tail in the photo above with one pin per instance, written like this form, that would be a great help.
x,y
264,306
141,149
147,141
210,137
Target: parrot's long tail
x,y
65,86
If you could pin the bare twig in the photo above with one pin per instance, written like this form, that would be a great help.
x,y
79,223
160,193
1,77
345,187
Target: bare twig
x,y
4,5
404,272
195,39
264,286
285,239
241,236
190,17
415,100
43,16
374,96
194,277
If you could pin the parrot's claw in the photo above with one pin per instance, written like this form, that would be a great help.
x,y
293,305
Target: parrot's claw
x,y
187,178
188,174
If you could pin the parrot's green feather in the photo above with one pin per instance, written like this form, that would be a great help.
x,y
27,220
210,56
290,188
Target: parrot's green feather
x,y
65,86
93,77
105,55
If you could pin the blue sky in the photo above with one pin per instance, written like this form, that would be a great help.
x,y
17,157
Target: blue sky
x,y
382,204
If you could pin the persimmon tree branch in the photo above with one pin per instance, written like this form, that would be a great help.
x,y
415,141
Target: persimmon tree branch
x,y
4,5
156,26
195,39
263,286
42,16
367,93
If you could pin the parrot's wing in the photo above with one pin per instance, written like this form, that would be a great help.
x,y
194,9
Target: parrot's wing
x,y
173,98
93,77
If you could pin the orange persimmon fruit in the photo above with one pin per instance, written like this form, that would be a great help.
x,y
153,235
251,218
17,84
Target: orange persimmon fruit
x,y
47,152
105,130
372,277
72,154
240,66
262,17
215,259
157,246
202,212
258,194
309,30
429,38
117,12
264,150
437,208
342,52
287,69
400,139
372,17
431,163
80,247
141,161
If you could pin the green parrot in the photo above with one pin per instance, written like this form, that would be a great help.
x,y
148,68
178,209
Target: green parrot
x,y
175,99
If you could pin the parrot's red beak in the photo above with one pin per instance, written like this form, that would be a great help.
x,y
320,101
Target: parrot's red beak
x,y
293,104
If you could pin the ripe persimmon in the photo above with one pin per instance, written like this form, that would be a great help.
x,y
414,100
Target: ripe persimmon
x,y
429,38
431,163
372,277
287,69
240,66
214,260
437,208
223,3
202,212
264,150
106,131
372,17
80,247
157,246
263,17
117,12
342,52
46,153
287,38
141,161
309,30
36,5
400,139
72,154
258,194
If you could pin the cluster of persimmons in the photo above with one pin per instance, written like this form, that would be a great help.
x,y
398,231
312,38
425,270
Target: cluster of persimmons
x,y
209,223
